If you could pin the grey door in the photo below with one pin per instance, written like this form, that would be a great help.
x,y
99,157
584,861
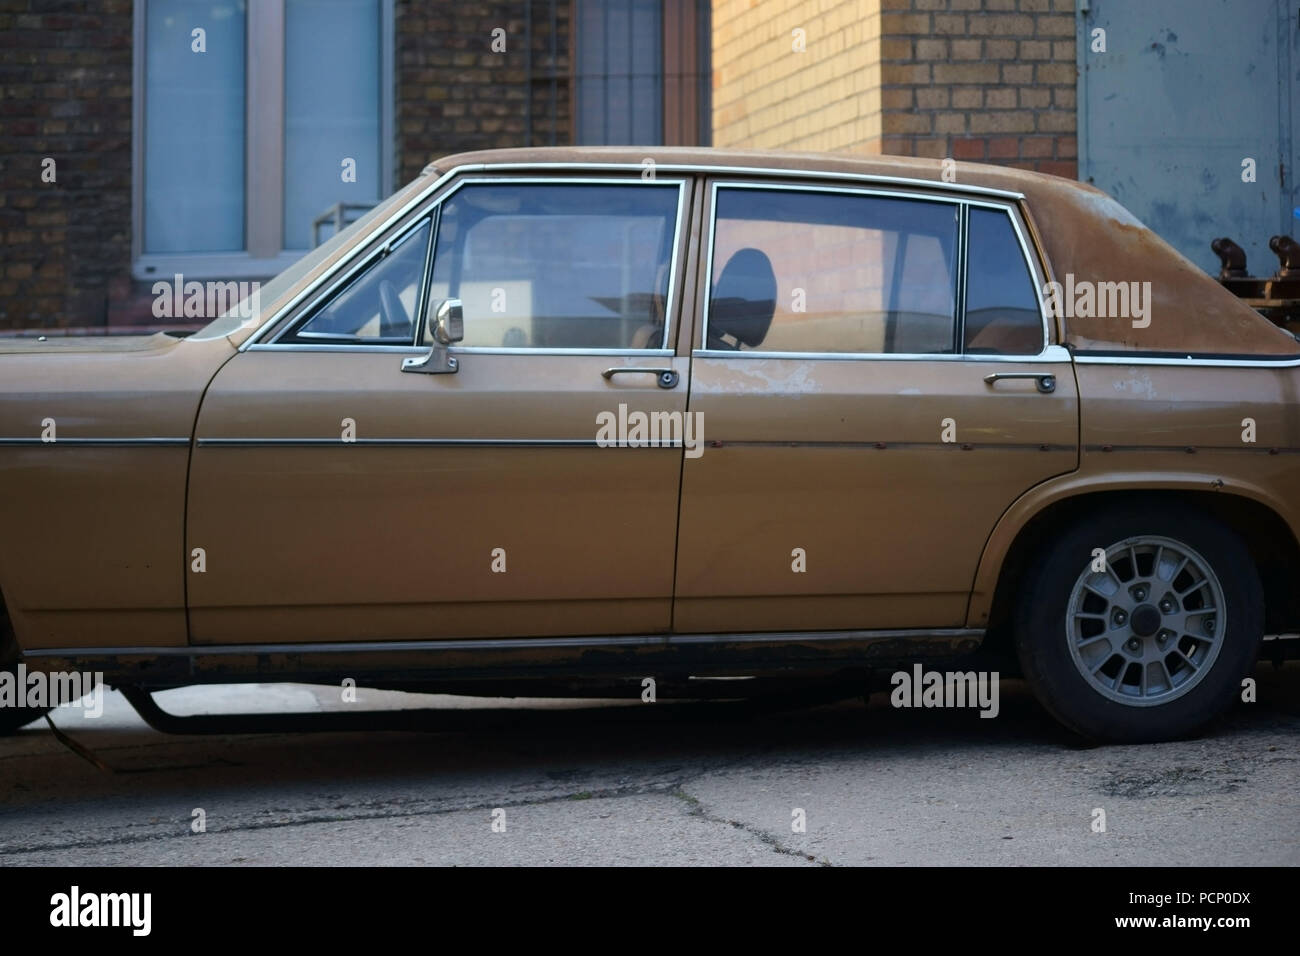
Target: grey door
x,y
1185,91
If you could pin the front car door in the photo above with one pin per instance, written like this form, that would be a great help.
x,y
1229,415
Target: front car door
x,y
337,495
858,452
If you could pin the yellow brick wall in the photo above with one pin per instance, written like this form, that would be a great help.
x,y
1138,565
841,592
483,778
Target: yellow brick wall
x,y
767,95
985,80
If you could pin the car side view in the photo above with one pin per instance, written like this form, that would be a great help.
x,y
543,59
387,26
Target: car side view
x,y
552,421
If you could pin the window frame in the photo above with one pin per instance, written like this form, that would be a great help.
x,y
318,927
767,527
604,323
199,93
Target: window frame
x,y
294,329
272,335
264,254
962,204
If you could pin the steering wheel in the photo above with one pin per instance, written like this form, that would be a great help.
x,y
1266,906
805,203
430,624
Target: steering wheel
x,y
394,322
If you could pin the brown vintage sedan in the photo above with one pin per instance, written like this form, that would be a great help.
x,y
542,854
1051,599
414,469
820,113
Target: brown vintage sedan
x,y
548,420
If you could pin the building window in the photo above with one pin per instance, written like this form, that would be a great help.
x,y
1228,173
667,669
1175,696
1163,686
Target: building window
x,y
252,119
641,72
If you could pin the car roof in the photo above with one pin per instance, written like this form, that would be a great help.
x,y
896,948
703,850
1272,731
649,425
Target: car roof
x,y
976,176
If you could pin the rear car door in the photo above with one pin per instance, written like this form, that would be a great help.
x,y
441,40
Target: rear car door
x,y
337,494
877,385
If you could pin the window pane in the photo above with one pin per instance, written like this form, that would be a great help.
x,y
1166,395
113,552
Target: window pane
x,y
824,272
619,72
194,126
378,305
540,266
331,109
1002,311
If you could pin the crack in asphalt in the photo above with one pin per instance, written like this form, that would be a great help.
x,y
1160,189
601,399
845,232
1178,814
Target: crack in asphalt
x,y
697,810
312,818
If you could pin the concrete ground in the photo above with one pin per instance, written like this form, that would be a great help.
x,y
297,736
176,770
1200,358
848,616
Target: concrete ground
x,y
661,783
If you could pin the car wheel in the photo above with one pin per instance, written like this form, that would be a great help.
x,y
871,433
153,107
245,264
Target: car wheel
x,y
1153,641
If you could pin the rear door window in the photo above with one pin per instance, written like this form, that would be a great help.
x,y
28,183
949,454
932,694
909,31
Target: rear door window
x,y
824,272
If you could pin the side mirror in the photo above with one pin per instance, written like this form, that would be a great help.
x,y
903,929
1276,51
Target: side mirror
x,y
446,326
447,323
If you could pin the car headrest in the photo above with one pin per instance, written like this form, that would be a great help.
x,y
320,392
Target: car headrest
x,y
744,298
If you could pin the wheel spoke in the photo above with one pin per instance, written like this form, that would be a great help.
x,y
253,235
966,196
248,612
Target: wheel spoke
x,y
1092,640
1169,678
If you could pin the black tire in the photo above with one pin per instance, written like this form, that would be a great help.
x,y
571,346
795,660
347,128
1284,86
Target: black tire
x,y
1046,627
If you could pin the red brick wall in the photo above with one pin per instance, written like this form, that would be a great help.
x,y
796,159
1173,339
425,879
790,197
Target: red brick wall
x,y
984,80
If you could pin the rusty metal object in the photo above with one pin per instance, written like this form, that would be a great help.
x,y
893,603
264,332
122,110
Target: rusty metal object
x,y
1287,251
1276,297
1233,258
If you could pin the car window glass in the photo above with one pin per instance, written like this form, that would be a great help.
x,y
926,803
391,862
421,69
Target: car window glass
x,y
378,305
804,271
1002,311
566,266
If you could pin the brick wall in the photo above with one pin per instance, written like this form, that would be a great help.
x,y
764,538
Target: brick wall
x,y
65,74
455,94
65,93
985,80
768,95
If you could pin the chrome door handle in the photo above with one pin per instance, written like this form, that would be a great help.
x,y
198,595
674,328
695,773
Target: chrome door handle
x,y
1046,382
668,377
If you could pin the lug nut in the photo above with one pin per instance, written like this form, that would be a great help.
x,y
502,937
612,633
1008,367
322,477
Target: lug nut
x,y
1140,594
1134,645
1120,618
1166,606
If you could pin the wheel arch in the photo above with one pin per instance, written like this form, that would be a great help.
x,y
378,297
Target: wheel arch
x,y
1252,513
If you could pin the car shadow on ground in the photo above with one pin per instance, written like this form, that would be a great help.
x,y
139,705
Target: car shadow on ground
x,y
574,740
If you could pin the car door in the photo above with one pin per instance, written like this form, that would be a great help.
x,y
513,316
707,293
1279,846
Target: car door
x,y
340,493
876,385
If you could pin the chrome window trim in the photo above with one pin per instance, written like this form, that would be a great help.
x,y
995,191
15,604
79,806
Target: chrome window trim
x,y
1053,354
358,260
704,169
676,168
1027,250
379,253
1189,361
937,195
